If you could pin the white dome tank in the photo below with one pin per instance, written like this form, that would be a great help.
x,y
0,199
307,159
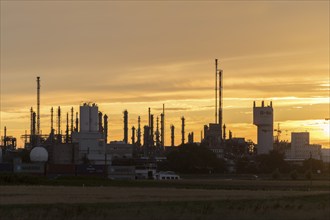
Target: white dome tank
x,y
38,154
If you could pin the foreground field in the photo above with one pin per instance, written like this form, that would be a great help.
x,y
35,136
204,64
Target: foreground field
x,y
200,200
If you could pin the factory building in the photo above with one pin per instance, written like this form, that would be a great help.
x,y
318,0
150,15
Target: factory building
x,y
90,139
263,118
212,139
301,147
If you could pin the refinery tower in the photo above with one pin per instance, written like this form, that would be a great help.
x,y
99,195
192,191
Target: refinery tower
x,y
263,118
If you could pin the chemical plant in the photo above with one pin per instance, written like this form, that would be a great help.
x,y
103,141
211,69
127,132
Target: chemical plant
x,y
85,149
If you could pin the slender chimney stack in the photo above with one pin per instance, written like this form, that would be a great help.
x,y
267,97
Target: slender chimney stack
x,y
5,137
51,120
126,126
59,120
162,127
172,135
220,102
182,130
105,124
133,135
100,122
157,133
139,132
152,130
224,132
216,92
77,122
31,126
34,115
67,128
71,130
38,105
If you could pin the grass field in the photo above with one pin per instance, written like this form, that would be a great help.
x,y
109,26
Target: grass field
x,y
184,199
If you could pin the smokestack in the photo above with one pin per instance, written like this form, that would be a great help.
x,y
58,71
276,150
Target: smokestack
x,y
100,122
149,112
224,132
59,120
216,92
182,130
77,122
220,102
5,137
158,143
125,126
38,105
152,130
133,135
105,124
71,130
34,123
67,128
139,132
172,135
51,120
162,126
31,126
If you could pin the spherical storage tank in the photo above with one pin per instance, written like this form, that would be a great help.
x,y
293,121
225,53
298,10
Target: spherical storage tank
x,y
38,154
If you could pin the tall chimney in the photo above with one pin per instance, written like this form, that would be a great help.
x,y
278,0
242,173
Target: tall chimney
x,y
224,132
182,130
139,132
38,105
77,122
172,135
71,130
133,135
220,102
216,92
126,126
59,120
31,126
158,143
34,123
100,122
152,130
162,126
67,128
149,113
105,124
5,137
51,120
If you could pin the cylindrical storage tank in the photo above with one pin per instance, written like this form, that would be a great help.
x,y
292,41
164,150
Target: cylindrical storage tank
x,y
84,118
39,154
94,118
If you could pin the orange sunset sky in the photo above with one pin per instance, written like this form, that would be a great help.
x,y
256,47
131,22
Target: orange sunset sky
x,y
138,54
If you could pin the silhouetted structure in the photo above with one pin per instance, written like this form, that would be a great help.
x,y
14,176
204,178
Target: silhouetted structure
x,y
105,123
162,126
191,138
138,143
172,135
133,135
182,130
126,126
